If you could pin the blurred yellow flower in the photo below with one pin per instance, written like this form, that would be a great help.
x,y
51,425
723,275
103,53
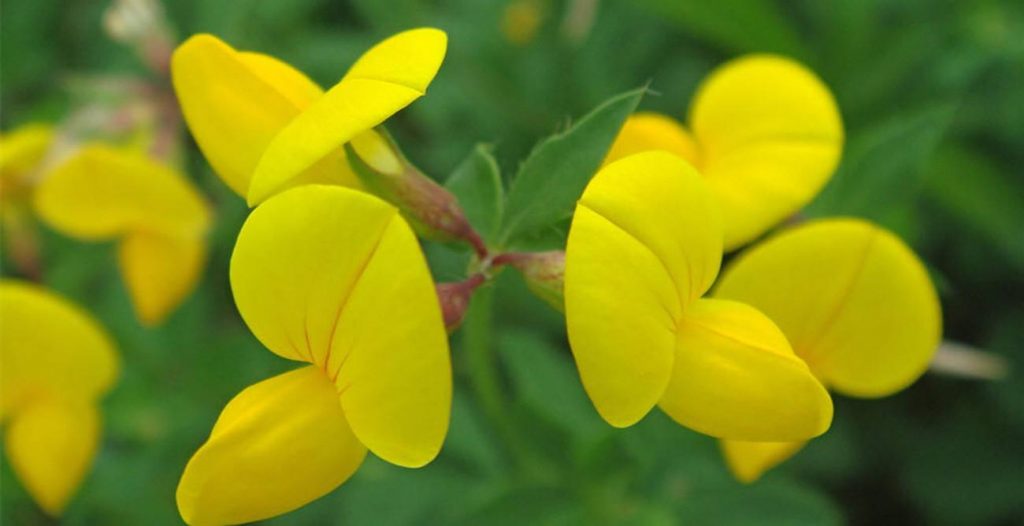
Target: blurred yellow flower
x,y
21,152
644,246
854,301
765,132
520,21
264,126
57,363
359,306
154,212
21,156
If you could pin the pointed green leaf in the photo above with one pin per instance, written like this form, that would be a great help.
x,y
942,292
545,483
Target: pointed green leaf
x,y
552,178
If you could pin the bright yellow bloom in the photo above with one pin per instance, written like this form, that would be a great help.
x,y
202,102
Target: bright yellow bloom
x,y
264,126
359,306
766,135
853,300
57,362
158,217
644,246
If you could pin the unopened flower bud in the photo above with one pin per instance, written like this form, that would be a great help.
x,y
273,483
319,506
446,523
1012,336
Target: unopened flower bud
x,y
430,208
544,273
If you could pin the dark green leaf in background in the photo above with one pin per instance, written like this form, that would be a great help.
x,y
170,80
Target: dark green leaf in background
x,y
882,166
759,504
737,25
544,377
969,187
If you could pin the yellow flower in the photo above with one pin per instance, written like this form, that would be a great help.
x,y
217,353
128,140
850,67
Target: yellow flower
x,y
57,364
359,306
521,20
264,126
22,152
765,133
853,300
158,217
645,244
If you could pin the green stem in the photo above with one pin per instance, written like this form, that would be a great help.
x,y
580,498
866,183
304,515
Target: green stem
x,y
478,345
478,342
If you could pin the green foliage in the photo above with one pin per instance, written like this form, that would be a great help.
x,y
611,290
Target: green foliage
x,y
545,190
476,183
546,381
882,166
945,451
760,505
736,25
967,186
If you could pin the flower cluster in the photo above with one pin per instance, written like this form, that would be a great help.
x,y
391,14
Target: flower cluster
x,y
837,303
327,271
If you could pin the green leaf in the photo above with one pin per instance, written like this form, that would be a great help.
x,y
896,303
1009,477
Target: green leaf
x,y
982,451
383,494
735,25
469,439
476,183
766,503
544,506
545,379
552,178
882,166
972,190
393,16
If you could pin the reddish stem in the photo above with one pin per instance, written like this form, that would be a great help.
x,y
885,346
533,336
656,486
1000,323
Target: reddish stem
x,y
454,298
474,240
509,258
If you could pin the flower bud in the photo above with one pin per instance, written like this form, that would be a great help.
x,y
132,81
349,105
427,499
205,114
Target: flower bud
x,y
430,208
544,273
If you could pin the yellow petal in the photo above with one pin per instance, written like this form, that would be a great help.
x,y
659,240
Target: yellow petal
x,y
102,192
384,80
735,376
410,58
390,354
770,136
22,150
853,299
50,348
276,446
645,241
749,460
50,446
236,102
652,131
289,82
232,110
335,277
160,272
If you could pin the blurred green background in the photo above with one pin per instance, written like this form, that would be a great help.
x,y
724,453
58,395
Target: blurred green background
x,y
932,95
